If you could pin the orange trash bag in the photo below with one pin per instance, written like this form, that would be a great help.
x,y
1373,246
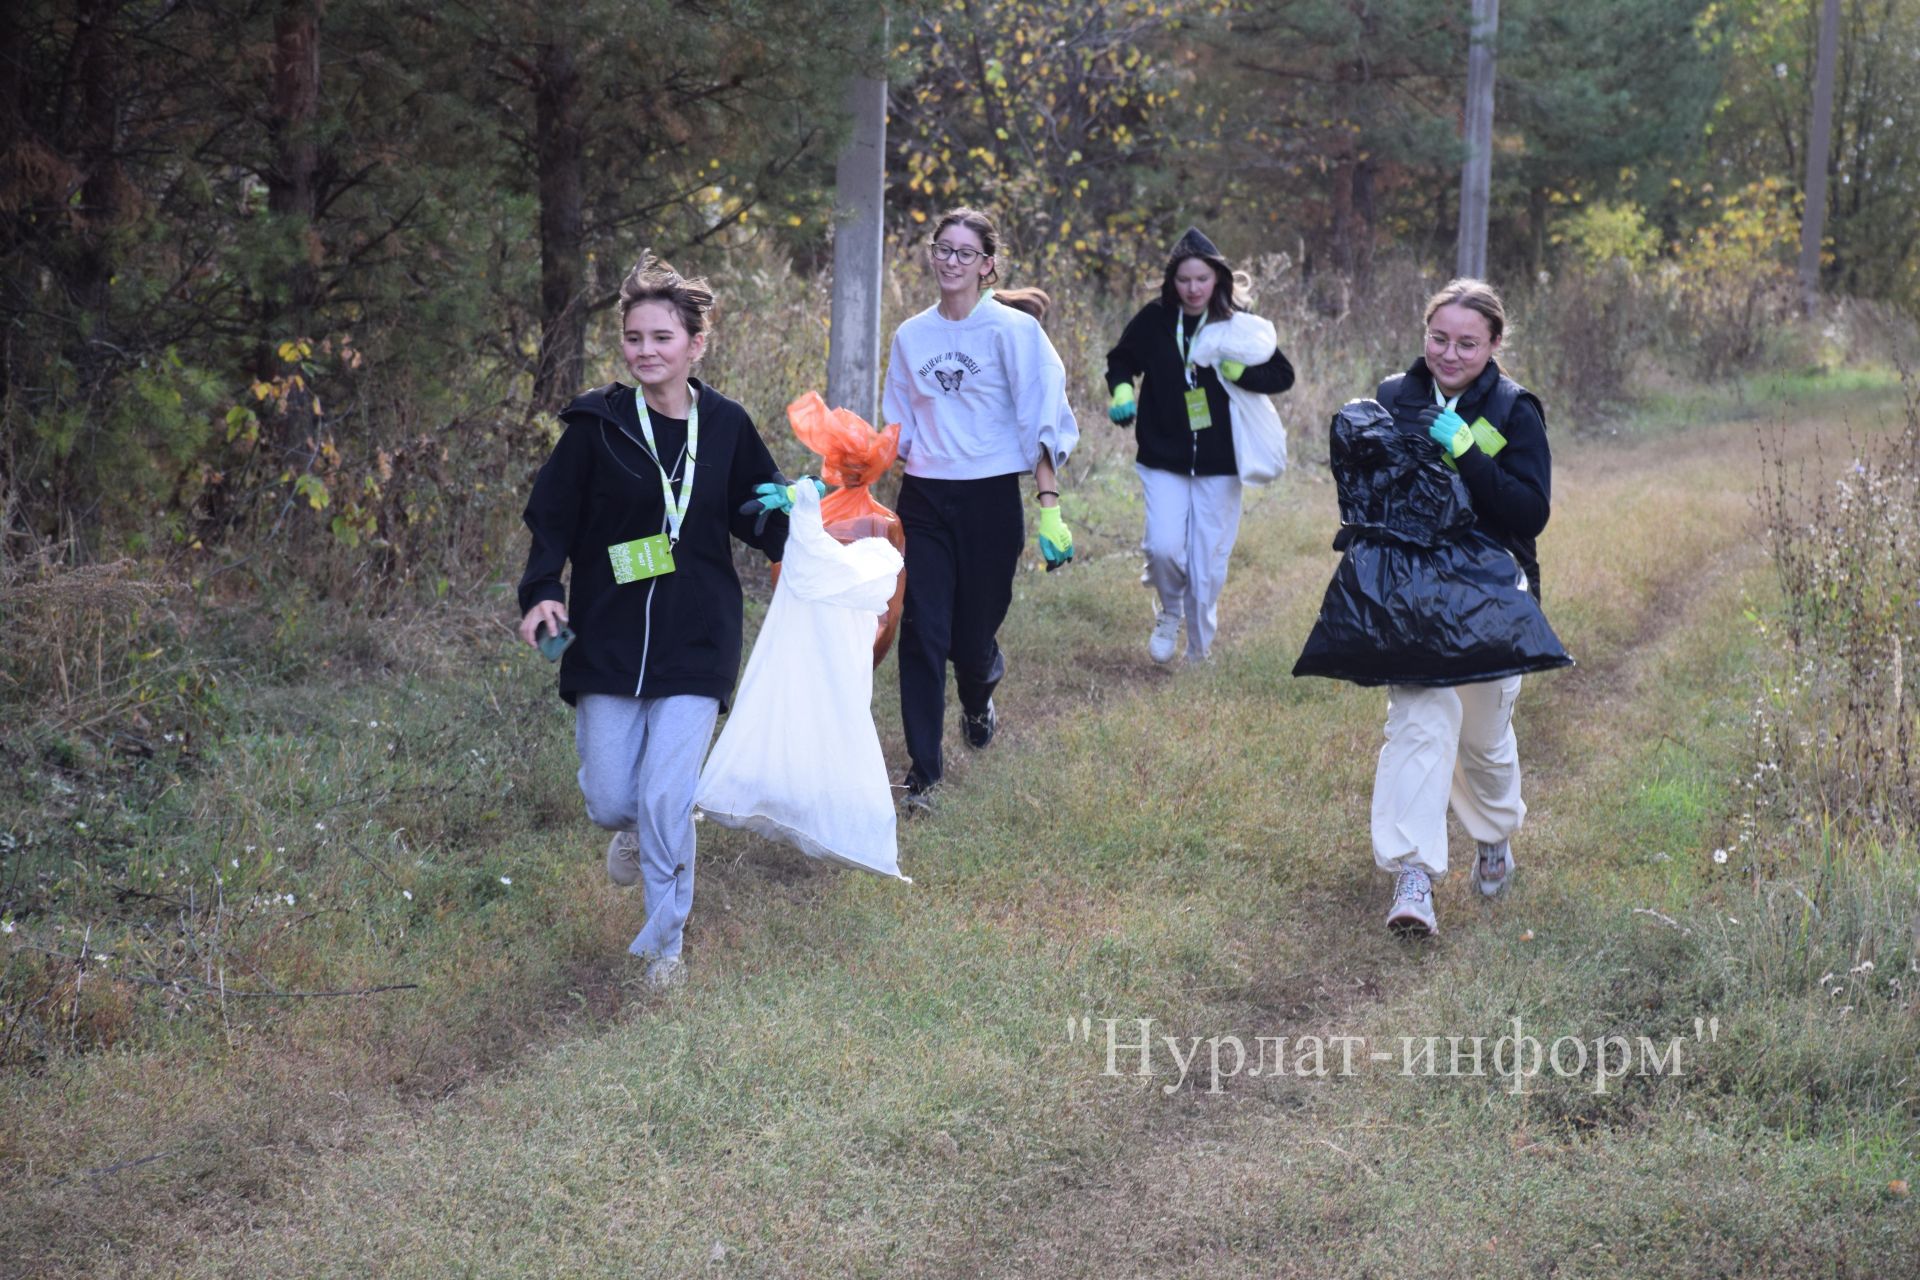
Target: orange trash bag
x,y
853,455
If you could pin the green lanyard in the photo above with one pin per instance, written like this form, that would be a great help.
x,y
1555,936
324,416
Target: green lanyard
x,y
1183,344
676,507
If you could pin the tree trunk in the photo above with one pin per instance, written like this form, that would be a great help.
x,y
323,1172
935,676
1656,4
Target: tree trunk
x,y
1476,178
559,144
293,112
853,351
1813,214
101,191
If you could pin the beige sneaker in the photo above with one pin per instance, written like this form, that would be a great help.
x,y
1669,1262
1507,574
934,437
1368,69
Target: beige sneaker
x,y
667,973
623,859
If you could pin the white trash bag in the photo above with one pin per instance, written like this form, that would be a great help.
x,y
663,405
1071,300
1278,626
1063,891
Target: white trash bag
x,y
799,759
1259,438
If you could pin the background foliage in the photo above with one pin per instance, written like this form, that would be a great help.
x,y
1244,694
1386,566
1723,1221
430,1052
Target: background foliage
x,y
286,287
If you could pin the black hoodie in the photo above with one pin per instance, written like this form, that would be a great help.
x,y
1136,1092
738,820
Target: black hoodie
x,y
679,633
1146,350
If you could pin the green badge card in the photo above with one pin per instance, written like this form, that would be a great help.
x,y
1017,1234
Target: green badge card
x,y
1199,417
641,558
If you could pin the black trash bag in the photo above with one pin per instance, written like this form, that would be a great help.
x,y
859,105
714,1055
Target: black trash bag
x,y
1423,595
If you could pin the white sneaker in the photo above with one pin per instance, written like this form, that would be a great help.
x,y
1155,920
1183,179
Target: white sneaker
x,y
666,973
1166,635
1493,868
623,859
1412,913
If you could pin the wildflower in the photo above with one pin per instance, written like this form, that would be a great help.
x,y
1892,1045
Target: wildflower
x,y
289,899
407,894
1719,855
6,926
1865,966
236,861
373,724
319,826
507,880
80,826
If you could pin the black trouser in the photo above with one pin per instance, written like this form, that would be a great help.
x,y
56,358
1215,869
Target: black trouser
x,y
963,545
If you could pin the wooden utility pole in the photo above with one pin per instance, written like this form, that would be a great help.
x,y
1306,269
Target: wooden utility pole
x,y
1813,217
1476,176
860,176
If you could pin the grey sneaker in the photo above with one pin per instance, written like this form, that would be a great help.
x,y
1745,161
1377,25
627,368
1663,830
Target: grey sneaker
x,y
623,859
666,973
1411,915
1493,868
920,802
1166,635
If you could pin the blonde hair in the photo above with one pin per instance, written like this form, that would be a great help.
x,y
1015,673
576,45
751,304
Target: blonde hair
x,y
1474,295
652,280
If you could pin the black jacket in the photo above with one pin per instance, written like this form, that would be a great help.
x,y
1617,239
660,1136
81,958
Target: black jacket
x,y
678,633
1146,350
1512,490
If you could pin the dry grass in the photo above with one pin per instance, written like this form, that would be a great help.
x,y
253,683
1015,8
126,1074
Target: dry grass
x,y
866,1079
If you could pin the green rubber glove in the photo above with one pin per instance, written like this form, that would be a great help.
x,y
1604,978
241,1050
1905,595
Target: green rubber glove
x,y
1448,429
769,498
1231,370
1121,408
1056,540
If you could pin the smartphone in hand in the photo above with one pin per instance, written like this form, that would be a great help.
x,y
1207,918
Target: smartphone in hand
x,y
553,643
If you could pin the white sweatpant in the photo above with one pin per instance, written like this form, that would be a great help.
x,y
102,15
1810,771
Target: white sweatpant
x,y
1445,744
1191,524
639,763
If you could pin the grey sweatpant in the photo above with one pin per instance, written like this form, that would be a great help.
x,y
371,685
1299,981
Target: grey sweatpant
x,y
639,761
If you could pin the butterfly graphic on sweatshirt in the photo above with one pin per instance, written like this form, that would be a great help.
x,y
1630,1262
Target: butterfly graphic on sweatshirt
x,y
949,380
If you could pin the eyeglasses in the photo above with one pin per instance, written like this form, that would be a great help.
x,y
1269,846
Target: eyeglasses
x,y
961,254
1465,348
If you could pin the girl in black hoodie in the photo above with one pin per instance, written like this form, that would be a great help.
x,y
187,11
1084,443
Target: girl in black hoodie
x,y
640,496
1184,424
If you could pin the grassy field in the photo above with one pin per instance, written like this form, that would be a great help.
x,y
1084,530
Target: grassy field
x,y
865,1078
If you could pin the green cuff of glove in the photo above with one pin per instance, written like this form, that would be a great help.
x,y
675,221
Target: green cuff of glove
x,y
1231,370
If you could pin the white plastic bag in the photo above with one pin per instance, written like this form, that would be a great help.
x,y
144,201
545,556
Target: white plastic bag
x,y
799,759
1259,438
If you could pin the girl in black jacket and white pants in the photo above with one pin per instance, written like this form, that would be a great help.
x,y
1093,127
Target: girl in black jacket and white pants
x,y
1455,746
1188,471
640,495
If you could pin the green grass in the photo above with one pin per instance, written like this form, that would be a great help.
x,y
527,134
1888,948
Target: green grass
x,y
866,1078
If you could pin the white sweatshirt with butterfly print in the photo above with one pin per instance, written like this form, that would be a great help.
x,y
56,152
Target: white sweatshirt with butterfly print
x,y
977,397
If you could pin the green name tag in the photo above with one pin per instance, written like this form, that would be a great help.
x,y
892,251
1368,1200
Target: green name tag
x,y
641,558
1199,417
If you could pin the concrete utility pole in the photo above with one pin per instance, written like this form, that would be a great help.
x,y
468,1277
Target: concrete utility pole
x,y
1476,176
1813,217
860,177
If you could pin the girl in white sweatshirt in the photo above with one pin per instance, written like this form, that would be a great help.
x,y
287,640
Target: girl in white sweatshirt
x,y
980,396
